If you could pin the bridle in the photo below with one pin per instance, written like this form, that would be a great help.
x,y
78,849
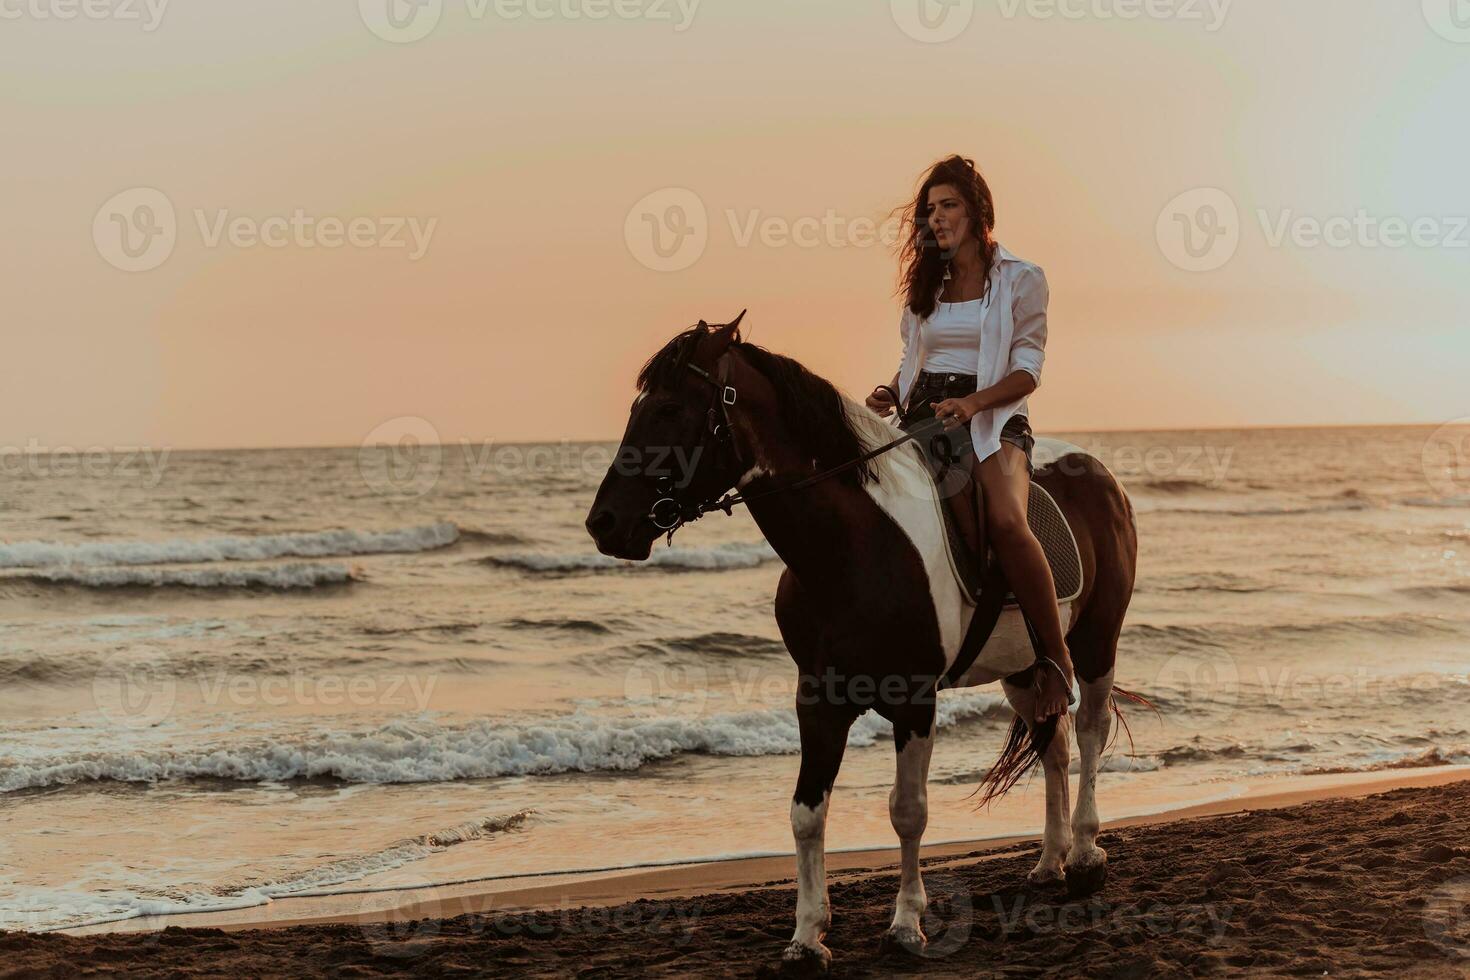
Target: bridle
x,y
669,513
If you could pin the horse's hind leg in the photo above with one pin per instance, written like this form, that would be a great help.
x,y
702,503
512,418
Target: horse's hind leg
x,y
908,808
1088,864
1054,846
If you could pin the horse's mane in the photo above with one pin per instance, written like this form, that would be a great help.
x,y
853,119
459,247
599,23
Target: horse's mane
x,y
826,425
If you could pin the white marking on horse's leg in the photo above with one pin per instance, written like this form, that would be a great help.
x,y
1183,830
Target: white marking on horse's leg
x,y
1094,722
813,911
1054,845
908,808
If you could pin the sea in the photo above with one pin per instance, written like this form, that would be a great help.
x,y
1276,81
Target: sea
x,y
233,678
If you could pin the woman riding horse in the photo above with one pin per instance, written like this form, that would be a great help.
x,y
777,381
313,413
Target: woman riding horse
x,y
978,315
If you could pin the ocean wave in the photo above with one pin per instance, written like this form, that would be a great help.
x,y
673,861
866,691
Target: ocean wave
x,y
1463,500
420,751
1431,757
1266,510
470,536
293,575
1204,582
1215,636
562,624
721,557
1176,485
317,544
693,649
74,910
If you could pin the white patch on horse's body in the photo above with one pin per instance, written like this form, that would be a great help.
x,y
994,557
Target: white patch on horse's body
x,y
905,491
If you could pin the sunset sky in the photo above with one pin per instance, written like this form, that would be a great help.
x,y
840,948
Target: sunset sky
x,y
534,148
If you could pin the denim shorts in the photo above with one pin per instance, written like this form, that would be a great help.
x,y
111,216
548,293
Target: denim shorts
x,y
937,387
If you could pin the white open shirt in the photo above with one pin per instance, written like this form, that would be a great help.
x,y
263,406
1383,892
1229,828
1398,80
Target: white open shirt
x,y
1012,338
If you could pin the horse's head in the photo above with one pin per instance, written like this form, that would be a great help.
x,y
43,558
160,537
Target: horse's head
x,y
677,449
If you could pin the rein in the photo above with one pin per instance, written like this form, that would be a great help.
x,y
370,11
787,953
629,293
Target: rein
x,y
669,513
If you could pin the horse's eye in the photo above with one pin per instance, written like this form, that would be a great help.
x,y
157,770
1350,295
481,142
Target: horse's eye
x,y
667,410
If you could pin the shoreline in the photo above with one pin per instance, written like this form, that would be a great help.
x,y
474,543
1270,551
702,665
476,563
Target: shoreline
x,y
412,898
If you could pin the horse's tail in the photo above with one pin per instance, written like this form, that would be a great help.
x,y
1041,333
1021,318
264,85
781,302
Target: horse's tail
x,y
1117,710
1023,750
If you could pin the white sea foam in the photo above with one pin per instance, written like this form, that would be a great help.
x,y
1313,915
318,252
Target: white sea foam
x,y
738,554
422,751
47,910
316,544
293,575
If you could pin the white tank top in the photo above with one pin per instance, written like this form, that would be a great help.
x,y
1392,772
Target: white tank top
x,y
951,337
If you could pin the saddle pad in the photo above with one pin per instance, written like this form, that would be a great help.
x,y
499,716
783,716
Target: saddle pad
x,y
1050,527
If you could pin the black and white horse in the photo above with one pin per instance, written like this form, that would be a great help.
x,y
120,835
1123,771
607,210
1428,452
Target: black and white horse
x,y
868,604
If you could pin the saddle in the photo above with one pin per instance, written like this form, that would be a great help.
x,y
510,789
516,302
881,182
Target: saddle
x,y
976,564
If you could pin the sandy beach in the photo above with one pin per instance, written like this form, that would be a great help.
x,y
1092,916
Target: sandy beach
x,y
1360,875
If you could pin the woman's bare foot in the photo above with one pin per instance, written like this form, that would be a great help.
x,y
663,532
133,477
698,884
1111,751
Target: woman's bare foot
x,y
1054,686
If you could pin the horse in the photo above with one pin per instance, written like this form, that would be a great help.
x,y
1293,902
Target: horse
x,y
867,607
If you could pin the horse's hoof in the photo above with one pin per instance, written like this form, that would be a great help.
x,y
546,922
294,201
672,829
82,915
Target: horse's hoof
x,y
904,939
1041,877
1088,878
805,961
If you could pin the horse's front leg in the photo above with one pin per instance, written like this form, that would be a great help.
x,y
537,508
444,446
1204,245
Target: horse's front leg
x,y
823,739
908,808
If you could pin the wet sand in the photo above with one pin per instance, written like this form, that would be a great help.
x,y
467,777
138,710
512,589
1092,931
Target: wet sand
x,y
1286,884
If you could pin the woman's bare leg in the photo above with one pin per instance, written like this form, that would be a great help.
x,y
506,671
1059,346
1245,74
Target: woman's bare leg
x,y
1007,488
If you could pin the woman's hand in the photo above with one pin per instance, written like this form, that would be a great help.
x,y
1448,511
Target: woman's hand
x,y
955,412
881,402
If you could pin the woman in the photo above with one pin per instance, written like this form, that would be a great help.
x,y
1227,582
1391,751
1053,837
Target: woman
x,y
978,315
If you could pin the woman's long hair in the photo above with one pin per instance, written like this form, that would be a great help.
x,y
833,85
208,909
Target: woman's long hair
x,y
922,260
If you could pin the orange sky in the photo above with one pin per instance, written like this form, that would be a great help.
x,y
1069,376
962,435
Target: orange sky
x,y
520,147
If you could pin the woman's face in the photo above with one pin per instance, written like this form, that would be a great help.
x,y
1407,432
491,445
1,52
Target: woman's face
x,y
948,219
